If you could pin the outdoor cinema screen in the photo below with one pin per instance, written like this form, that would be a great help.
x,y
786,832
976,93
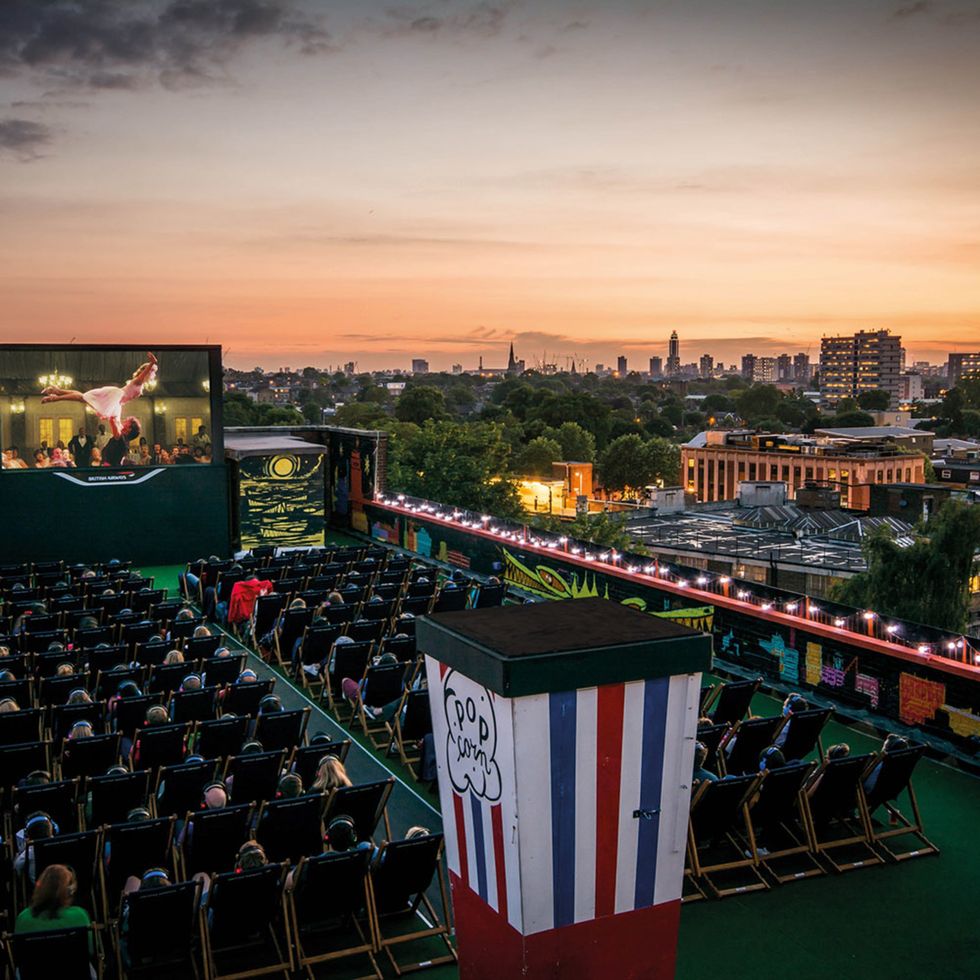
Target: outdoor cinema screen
x,y
66,408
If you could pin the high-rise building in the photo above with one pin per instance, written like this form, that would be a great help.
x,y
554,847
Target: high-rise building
x,y
420,365
802,372
784,368
674,354
764,371
707,365
866,361
910,387
748,366
621,365
961,366
656,367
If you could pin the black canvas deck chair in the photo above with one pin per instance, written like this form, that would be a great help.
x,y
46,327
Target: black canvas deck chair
x,y
741,751
782,832
265,614
179,788
292,625
838,813
803,733
403,647
107,683
212,838
62,716
199,705
128,714
222,737
165,678
721,842
366,630
21,690
282,729
244,925
489,595
243,699
894,777
104,658
290,829
330,911
133,849
364,803
219,671
410,724
112,797
55,690
152,652
82,852
400,878
254,777
377,611
201,647
417,605
383,684
17,727
341,613
17,761
160,745
346,660
712,737
732,702
707,698
69,954
89,756
59,800
306,758
314,651
161,931
450,600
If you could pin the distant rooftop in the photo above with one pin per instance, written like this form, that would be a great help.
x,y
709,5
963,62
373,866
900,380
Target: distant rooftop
x,y
872,432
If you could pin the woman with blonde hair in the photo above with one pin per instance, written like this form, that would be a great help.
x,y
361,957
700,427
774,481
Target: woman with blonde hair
x,y
174,657
330,774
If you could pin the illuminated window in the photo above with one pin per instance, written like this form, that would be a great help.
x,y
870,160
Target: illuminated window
x,y
180,429
65,430
46,435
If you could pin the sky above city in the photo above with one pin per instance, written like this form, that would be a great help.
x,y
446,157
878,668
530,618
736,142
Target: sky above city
x,y
316,182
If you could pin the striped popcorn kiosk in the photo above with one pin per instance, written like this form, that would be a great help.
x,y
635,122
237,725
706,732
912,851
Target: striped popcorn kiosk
x,y
565,737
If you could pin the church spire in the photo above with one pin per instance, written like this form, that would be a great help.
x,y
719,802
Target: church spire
x,y
511,361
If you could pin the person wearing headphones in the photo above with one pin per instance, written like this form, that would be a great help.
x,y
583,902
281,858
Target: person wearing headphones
x,y
700,758
341,835
793,705
38,826
52,904
214,796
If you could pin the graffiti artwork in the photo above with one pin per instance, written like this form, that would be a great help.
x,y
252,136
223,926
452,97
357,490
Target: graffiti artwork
x,y
281,500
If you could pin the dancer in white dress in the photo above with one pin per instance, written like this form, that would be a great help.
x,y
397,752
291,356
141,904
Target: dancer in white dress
x,y
107,402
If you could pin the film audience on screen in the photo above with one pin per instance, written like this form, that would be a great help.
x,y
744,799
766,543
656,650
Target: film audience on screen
x,y
101,449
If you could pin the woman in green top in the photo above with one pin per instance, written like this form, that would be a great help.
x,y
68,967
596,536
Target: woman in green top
x,y
51,905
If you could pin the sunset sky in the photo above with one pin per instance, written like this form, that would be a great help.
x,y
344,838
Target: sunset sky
x,y
315,182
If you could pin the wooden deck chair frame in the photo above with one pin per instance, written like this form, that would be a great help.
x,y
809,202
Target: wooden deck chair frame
x,y
902,826
368,941
381,813
95,959
859,836
410,758
375,729
748,855
439,926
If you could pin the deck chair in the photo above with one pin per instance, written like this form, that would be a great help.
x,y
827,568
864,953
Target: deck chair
x,y
400,878
314,651
63,953
201,647
488,595
721,841
403,647
18,727
129,714
21,690
254,777
364,803
211,838
292,625
290,829
378,611
741,751
282,729
200,705
112,797
838,813
265,614
732,702
89,756
160,745
58,800
782,832
17,761
712,737
383,684
367,630
411,723
219,671
104,658
152,652
88,639
329,900
450,600
222,737
161,931
306,758
417,605
62,716
244,928
132,849
82,852
894,778
802,733
138,632
165,678
341,613
243,699
107,683
179,788
346,660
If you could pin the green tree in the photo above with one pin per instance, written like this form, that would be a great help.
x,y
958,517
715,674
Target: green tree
x,y
851,420
874,401
360,415
577,443
373,394
278,415
312,412
759,401
239,409
461,464
926,582
420,403
629,463
536,457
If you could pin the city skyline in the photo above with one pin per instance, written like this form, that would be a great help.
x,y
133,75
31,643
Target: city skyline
x,y
311,184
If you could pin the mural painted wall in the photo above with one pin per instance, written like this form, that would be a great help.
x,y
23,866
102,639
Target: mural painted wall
x,y
355,459
281,500
943,704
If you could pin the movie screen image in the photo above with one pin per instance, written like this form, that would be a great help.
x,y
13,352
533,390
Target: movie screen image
x,y
77,408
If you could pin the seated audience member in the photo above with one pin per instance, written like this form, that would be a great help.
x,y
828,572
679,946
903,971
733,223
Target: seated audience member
x,y
892,743
52,904
38,826
330,774
839,751
700,758
79,695
290,787
173,657
214,797
771,758
8,706
791,706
